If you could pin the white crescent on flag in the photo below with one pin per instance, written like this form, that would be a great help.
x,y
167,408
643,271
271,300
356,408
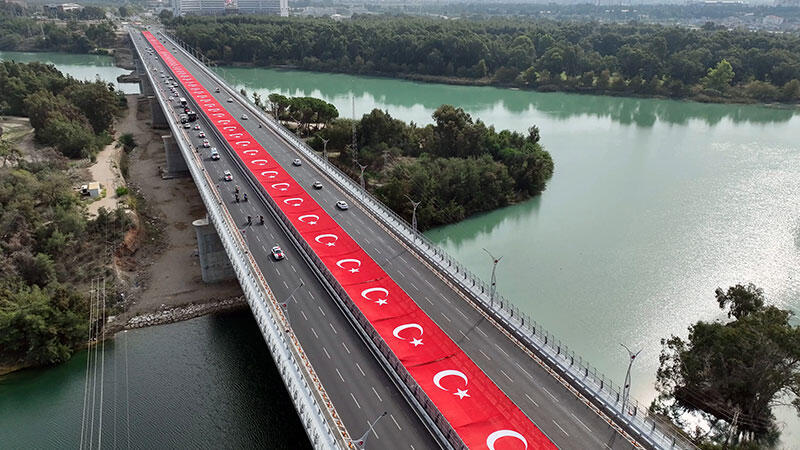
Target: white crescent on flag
x,y
285,186
320,237
341,263
396,332
260,162
492,438
235,135
272,173
250,152
448,373
381,301
242,142
229,128
298,201
311,216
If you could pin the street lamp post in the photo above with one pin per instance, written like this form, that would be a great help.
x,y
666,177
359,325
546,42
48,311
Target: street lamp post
x,y
362,441
325,149
626,388
361,177
413,213
493,288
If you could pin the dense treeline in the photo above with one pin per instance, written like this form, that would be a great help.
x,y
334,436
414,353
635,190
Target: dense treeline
x,y
626,59
49,248
20,32
455,167
73,116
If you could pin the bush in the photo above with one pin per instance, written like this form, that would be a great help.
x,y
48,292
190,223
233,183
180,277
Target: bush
x,y
121,191
127,141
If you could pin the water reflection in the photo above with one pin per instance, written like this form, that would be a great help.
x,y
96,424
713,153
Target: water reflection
x,y
395,95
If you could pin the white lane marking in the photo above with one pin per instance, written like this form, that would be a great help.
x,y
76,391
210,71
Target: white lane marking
x,y
258,238
376,394
413,285
397,424
504,352
284,283
295,270
445,298
279,272
340,375
320,310
401,273
506,375
345,348
304,314
310,294
523,369
462,333
484,354
379,252
374,431
428,300
354,399
580,422
360,370
429,283
462,314
334,329
559,427
532,400
550,394
315,333
482,332
326,352
443,315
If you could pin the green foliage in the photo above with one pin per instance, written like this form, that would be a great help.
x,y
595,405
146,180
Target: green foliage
x,y
719,77
505,51
127,141
456,167
20,31
122,191
739,369
73,116
49,250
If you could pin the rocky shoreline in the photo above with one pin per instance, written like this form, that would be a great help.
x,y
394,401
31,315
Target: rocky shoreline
x,y
178,314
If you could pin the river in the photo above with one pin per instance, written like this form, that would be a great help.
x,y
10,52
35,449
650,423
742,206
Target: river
x,y
81,67
654,204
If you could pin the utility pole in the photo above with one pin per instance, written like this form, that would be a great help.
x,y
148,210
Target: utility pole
x,y
362,441
414,213
493,289
361,177
325,149
626,389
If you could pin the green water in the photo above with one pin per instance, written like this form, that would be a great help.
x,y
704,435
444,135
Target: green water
x,y
82,67
652,206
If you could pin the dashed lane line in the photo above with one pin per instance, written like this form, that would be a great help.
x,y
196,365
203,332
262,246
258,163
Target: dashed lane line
x,y
340,375
304,314
376,394
315,333
580,422
345,348
501,349
532,400
360,370
465,336
445,316
506,375
559,427
485,355
354,399
326,352
320,310
334,329
397,424
550,394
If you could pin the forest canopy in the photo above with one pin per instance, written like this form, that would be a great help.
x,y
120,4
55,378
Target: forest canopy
x,y
630,58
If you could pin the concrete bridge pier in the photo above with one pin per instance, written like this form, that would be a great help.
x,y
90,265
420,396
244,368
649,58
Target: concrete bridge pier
x,y
176,165
159,119
145,87
214,263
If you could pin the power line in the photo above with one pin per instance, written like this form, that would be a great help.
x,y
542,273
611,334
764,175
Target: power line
x,y
88,360
102,367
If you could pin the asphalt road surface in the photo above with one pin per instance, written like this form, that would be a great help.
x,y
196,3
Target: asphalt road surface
x,y
556,411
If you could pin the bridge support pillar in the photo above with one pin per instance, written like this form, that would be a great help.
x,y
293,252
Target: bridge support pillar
x,y
214,263
159,119
145,87
176,165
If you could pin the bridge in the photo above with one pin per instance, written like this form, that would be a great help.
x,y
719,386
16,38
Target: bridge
x,y
381,338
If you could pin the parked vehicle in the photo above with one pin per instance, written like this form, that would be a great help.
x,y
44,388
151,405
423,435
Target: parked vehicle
x,y
341,204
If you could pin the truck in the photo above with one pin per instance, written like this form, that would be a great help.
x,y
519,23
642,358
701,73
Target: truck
x,y
183,101
191,116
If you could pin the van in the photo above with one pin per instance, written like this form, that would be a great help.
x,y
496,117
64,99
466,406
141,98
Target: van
x,y
184,118
183,101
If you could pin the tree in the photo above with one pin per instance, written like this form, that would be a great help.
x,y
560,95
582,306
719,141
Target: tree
x,y
719,77
9,152
739,369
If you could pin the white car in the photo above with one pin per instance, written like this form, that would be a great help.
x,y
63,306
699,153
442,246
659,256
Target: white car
x,y
277,253
201,135
216,89
227,175
230,100
244,116
317,185
197,127
171,98
187,125
341,204
214,153
297,162
206,144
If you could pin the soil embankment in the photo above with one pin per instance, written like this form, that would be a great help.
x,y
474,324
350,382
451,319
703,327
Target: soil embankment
x,y
164,270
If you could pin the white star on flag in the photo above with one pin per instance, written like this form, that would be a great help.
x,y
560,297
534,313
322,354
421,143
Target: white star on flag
x,y
354,270
330,244
416,341
312,223
381,301
461,394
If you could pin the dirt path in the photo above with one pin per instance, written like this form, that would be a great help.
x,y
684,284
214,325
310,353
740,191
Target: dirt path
x,y
106,171
170,274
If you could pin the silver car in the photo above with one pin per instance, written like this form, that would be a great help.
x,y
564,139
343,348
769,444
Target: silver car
x,y
341,204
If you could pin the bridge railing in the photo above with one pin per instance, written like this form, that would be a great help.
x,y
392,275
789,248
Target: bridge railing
x,y
605,396
308,395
